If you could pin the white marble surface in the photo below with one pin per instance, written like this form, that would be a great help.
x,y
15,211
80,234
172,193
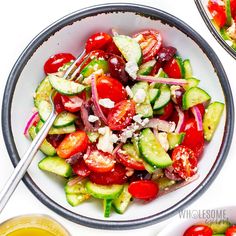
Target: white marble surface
x,y
20,21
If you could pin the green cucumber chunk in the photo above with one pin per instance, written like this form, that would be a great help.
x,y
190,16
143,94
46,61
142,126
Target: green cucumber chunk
x,y
64,119
45,109
129,48
76,199
63,130
93,136
175,139
164,182
152,151
181,65
43,91
107,203
56,165
192,82
65,87
78,188
121,203
194,96
45,147
104,191
219,227
153,94
93,66
164,97
187,68
228,13
211,119
146,68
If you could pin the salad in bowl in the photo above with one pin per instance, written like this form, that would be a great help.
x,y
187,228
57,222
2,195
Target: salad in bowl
x,y
132,120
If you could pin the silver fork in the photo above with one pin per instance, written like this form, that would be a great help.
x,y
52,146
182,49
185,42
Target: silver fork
x,y
27,158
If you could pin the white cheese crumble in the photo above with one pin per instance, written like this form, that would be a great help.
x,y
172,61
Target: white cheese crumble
x,y
106,102
137,118
105,141
131,68
102,130
129,91
92,118
232,31
162,138
87,80
173,89
140,96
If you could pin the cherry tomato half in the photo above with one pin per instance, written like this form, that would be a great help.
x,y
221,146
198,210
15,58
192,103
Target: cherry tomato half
x,y
71,103
99,161
120,116
168,110
198,230
193,138
172,69
150,42
184,161
233,8
56,61
129,161
97,41
80,168
231,231
217,10
58,103
73,143
115,176
143,189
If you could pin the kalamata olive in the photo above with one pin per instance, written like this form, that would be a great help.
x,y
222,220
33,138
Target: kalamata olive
x,y
55,139
117,68
165,54
140,175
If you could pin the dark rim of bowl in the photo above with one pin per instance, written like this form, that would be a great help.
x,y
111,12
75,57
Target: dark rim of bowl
x,y
213,30
146,12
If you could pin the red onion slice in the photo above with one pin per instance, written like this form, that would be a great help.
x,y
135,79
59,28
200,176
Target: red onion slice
x,y
32,119
95,98
198,117
84,116
117,148
181,120
161,80
162,125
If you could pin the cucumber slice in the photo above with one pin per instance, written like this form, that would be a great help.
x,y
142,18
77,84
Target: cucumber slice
x,y
129,48
42,92
211,119
45,147
121,203
76,199
93,136
78,188
104,191
63,130
228,13
187,68
45,109
159,111
64,119
161,74
146,68
153,94
164,183
192,82
164,97
194,96
65,87
107,203
144,109
175,139
130,150
152,151
181,65
56,165
219,227
93,66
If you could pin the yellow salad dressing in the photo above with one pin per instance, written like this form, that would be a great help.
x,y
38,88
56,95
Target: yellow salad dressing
x,y
30,232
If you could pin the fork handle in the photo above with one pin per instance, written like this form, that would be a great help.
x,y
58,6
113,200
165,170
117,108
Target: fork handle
x,y
24,163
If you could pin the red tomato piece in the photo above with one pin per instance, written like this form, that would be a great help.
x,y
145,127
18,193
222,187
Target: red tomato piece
x,y
233,8
194,139
97,41
172,69
143,189
81,169
217,10
155,69
71,103
120,116
108,87
99,161
150,42
73,143
198,230
168,110
129,161
56,61
184,161
115,176
58,103
231,231
112,48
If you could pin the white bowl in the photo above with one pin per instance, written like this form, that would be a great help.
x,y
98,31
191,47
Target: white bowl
x,y
199,216
68,35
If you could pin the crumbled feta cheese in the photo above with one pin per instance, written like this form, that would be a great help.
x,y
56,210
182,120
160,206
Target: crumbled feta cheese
x,y
131,68
105,142
114,138
137,118
92,118
102,130
106,102
95,73
162,138
232,31
129,91
140,96
145,121
173,89
138,38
